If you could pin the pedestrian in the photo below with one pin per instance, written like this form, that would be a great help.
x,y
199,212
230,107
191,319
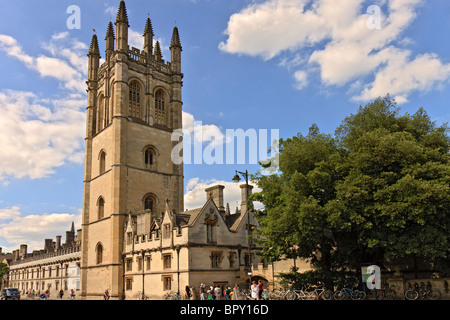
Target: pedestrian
x,y
261,289
61,293
106,295
47,294
211,295
235,291
228,293
217,292
72,294
254,291
187,293
202,291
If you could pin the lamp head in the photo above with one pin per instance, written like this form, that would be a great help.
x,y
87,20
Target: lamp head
x,y
236,178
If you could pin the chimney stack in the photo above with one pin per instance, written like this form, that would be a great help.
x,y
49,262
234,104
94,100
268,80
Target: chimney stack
x,y
245,194
58,242
216,193
70,235
48,245
23,250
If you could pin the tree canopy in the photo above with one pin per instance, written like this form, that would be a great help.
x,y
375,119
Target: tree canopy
x,y
376,190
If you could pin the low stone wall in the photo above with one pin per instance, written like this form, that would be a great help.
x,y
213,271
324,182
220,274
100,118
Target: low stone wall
x,y
401,285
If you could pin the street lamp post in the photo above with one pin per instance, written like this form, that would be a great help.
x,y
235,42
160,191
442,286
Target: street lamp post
x,y
236,179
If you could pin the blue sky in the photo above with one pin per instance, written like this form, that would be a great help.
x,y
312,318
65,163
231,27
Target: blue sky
x,y
248,64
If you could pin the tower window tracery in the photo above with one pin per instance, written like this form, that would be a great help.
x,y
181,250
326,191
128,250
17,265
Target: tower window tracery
x,y
134,100
160,107
101,208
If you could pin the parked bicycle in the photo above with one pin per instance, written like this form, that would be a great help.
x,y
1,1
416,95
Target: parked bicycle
x,y
426,293
172,296
347,293
282,295
141,296
304,294
387,292
322,293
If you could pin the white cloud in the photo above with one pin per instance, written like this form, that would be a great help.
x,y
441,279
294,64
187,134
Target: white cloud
x,y
9,213
33,229
136,39
67,63
40,134
336,38
195,195
403,74
202,133
12,48
110,10
38,137
301,79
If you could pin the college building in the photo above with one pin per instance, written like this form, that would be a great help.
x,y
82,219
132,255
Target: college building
x,y
136,238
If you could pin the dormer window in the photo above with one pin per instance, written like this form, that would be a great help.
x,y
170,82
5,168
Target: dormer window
x,y
166,231
210,233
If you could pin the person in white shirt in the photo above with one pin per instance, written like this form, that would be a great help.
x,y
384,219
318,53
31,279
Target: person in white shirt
x,y
255,291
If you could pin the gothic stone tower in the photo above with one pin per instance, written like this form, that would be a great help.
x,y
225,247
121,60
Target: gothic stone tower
x,y
134,105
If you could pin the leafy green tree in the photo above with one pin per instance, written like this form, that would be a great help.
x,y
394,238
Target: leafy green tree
x,y
378,190
3,269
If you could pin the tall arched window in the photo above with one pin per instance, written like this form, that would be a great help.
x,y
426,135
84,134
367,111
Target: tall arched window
x,y
101,207
150,157
102,162
134,100
111,104
99,251
160,107
101,113
150,203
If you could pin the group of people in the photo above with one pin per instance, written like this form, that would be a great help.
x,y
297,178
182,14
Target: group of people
x,y
31,293
257,290
215,292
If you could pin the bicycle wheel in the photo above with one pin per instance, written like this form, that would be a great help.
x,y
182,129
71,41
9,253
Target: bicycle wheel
x,y
411,294
290,295
311,295
338,295
433,294
361,295
344,295
380,294
327,295
356,295
278,295
391,294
